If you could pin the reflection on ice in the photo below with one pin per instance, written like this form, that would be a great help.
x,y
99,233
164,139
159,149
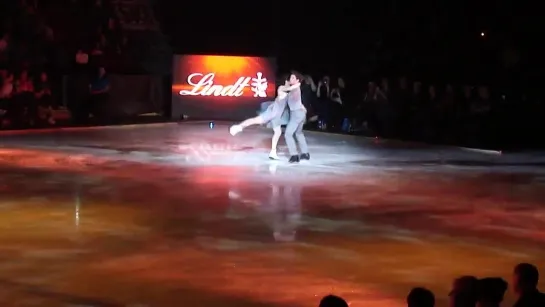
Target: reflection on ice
x,y
279,208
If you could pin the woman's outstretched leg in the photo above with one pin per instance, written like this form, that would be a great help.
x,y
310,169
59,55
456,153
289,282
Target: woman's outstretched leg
x,y
236,129
274,143
251,122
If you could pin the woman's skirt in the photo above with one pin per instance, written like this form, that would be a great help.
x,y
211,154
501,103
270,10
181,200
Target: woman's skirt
x,y
272,116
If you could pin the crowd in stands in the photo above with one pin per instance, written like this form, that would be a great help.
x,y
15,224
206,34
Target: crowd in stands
x,y
470,291
411,110
37,47
26,54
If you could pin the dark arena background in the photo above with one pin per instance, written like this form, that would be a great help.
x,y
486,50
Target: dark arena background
x,y
122,186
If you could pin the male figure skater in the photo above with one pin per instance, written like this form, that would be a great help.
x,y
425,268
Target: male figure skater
x,y
298,115
275,115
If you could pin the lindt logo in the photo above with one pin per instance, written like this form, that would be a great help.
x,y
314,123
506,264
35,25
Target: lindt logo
x,y
203,85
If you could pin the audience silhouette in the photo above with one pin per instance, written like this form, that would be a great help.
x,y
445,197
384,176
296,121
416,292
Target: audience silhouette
x,y
420,297
332,301
464,292
525,279
490,291
469,291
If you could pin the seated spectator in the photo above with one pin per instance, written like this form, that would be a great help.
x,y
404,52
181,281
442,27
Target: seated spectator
x,y
97,54
6,87
43,90
332,301
464,292
97,50
44,98
24,101
420,297
336,105
480,116
99,89
24,84
98,13
6,90
4,49
323,94
46,32
308,93
4,42
102,41
525,279
82,59
112,24
490,292
368,108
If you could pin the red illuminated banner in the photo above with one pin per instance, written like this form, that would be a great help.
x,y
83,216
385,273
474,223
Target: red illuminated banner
x,y
207,85
203,85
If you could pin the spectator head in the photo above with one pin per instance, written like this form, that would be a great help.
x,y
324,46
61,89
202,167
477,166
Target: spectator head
x,y
82,57
101,72
24,75
326,80
525,278
295,78
483,92
420,297
449,89
432,92
464,292
417,87
333,301
102,41
403,83
490,291
111,23
371,87
43,76
4,42
340,82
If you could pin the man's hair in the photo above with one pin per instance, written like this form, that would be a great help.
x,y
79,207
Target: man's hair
x,y
298,75
333,301
420,297
527,273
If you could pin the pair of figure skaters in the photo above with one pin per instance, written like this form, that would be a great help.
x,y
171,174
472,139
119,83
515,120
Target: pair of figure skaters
x,y
287,109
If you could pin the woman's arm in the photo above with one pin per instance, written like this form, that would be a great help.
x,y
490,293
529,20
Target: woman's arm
x,y
292,87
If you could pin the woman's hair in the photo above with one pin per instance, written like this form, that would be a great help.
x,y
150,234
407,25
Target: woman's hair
x,y
282,79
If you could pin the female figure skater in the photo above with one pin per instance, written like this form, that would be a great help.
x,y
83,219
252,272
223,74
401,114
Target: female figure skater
x,y
275,115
